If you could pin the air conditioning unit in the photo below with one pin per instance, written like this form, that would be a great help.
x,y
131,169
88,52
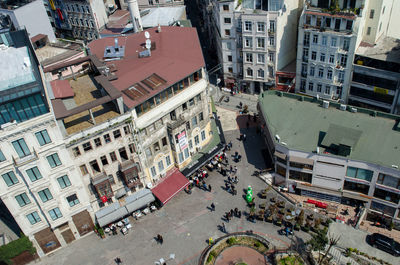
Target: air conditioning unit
x,y
325,104
354,110
342,107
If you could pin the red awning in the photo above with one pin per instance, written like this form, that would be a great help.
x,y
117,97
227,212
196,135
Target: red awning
x,y
170,185
61,89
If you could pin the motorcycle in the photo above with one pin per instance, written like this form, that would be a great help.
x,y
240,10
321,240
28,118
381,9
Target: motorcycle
x,y
285,232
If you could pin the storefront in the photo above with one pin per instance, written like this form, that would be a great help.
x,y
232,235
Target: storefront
x,y
47,240
83,222
170,185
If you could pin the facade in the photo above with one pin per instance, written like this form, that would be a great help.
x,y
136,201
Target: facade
x,y
28,14
253,40
40,185
79,19
333,152
327,39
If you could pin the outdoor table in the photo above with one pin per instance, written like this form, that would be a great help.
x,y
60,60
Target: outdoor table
x,y
128,226
107,230
120,224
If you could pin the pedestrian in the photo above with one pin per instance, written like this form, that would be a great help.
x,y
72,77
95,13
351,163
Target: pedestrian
x,y
255,117
230,169
236,180
240,214
118,260
161,240
226,185
236,212
223,228
247,125
235,169
230,145
241,137
212,207
227,217
244,137
232,212
229,179
209,187
204,185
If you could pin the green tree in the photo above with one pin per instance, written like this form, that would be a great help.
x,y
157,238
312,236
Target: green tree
x,y
318,242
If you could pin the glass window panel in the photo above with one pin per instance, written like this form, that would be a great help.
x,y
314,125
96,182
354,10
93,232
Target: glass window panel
x,y
351,172
34,174
64,181
35,108
20,112
2,157
10,178
27,108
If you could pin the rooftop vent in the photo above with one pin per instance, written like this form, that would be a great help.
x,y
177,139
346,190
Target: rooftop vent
x,y
325,104
354,110
115,51
342,107
395,166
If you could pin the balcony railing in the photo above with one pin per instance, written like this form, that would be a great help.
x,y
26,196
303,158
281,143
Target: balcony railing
x,y
26,159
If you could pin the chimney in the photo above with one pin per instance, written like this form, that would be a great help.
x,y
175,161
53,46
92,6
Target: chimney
x,y
116,43
159,28
135,15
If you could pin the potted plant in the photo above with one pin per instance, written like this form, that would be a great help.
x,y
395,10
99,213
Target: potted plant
x,y
101,232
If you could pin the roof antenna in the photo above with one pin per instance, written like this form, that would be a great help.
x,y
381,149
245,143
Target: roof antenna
x,y
159,28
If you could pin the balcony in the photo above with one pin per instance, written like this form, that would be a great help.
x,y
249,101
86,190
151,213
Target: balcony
x,y
130,173
26,159
172,125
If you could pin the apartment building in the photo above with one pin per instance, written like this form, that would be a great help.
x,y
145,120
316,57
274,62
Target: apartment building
x,y
253,40
28,14
40,186
327,38
77,19
333,151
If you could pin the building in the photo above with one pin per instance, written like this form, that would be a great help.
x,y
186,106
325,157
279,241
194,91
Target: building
x,y
143,4
376,76
327,39
40,186
132,117
28,14
253,40
77,19
333,151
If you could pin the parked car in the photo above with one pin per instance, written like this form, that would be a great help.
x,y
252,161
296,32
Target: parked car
x,y
384,243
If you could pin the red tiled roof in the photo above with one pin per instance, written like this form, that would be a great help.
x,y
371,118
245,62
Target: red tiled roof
x,y
177,55
61,89
38,37
170,185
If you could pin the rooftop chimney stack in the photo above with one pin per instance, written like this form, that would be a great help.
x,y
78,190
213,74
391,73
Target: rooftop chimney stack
x,y
135,15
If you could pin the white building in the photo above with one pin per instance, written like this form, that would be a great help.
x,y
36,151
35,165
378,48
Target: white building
x,y
28,14
254,39
335,155
327,39
40,184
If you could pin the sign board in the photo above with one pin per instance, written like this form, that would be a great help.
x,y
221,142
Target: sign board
x,y
182,140
380,90
103,198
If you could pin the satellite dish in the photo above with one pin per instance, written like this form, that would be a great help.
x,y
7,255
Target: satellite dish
x,y
148,44
147,34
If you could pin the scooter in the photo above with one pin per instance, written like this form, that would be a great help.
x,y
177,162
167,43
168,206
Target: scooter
x,y
285,232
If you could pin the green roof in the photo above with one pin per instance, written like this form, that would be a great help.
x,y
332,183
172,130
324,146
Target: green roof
x,y
303,124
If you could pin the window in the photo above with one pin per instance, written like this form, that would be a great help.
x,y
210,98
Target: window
x,y
72,200
248,42
87,146
123,154
229,46
359,173
21,148
249,72
188,125
389,181
322,57
306,40
272,25
186,151
341,76
10,178
226,7
33,218
201,117
319,87
324,40
203,135
247,26
83,169
33,174
346,44
64,182
126,130
260,73
315,39
329,74
343,60
331,58
320,72
117,134
194,121
164,141
196,140
104,160
357,187
260,42
328,22
184,106
54,160
305,53
2,157
131,148
303,85
229,58
107,138
181,158
156,146
55,213
227,32
308,20
97,142
43,137
160,166
271,57
312,70
260,26
387,195
313,55
271,40
167,160
191,102
349,24
311,86
45,195
230,69
148,152
260,58
327,90
113,156
76,151
333,41
22,199
153,171
227,20
371,13
249,57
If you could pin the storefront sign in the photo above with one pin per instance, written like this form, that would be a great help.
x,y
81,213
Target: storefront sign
x,y
103,198
380,90
182,140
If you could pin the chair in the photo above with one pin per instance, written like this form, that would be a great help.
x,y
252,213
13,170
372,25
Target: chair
x,y
162,261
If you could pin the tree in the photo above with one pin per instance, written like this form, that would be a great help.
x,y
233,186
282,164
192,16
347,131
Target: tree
x,y
332,242
318,242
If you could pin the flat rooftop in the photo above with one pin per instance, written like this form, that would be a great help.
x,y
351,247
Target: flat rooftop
x,y
303,125
54,53
386,49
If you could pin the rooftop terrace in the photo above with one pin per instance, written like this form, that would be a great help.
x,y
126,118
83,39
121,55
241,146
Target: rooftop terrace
x,y
304,125
386,49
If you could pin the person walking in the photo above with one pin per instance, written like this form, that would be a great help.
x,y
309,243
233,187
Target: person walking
x,y
232,212
223,228
212,207
230,169
209,187
161,240
227,217
118,260
235,169
204,185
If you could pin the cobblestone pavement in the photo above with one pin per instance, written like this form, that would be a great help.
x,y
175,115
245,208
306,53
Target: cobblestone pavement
x,y
185,222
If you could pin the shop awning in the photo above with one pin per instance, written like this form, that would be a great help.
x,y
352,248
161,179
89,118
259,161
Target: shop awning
x,y
280,155
139,200
170,185
301,160
110,214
